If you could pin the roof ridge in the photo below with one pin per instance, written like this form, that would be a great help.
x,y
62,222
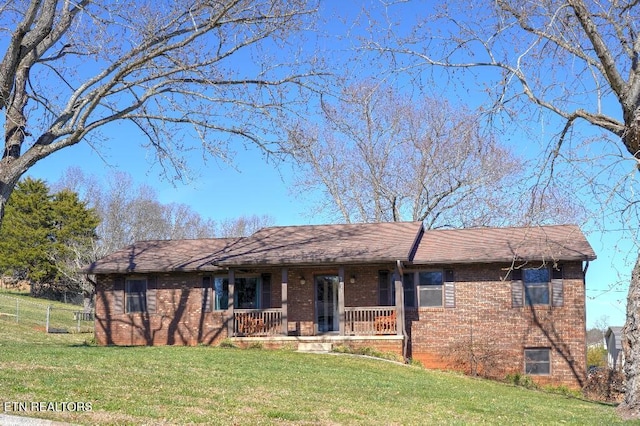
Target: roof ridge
x,y
502,228
319,225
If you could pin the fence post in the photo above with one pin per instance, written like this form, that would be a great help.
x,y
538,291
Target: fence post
x,y
17,309
78,327
48,315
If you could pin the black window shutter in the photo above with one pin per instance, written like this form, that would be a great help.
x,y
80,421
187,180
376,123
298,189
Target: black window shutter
x,y
152,288
449,289
207,294
266,291
517,289
409,290
384,288
118,295
557,287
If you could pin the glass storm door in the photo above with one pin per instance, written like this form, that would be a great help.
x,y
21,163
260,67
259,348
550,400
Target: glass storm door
x,y
327,303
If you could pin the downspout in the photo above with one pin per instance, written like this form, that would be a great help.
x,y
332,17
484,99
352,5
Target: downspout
x,y
405,343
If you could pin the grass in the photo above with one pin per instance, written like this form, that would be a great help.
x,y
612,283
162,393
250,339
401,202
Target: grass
x,y
205,385
25,309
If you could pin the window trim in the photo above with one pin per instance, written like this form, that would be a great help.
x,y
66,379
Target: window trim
x,y
141,296
547,362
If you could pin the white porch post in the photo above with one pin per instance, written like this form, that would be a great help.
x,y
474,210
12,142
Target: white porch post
x,y
285,315
341,301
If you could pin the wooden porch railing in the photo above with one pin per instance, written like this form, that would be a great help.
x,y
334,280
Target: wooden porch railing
x,y
257,322
371,320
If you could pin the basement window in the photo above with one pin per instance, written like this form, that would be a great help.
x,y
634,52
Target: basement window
x,y
537,361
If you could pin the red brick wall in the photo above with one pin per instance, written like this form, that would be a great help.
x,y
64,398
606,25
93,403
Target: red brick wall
x,y
178,319
484,319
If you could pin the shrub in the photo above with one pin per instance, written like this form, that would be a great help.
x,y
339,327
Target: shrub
x,y
475,358
227,343
518,379
597,356
255,345
606,385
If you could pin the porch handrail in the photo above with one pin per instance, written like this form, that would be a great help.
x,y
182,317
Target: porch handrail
x,y
257,322
370,320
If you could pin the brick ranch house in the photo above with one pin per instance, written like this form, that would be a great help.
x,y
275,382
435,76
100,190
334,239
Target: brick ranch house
x,y
495,301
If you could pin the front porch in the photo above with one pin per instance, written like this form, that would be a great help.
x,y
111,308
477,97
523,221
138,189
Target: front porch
x,y
355,321
367,303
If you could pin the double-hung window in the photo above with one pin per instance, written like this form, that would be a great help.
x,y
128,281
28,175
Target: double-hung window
x,y
430,289
536,286
135,295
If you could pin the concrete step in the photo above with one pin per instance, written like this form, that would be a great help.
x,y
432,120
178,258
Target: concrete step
x,y
314,347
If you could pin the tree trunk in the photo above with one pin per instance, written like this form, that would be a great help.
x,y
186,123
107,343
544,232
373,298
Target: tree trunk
x,y
630,408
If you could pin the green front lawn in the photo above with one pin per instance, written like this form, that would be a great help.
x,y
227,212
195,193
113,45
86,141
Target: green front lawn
x,y
205,385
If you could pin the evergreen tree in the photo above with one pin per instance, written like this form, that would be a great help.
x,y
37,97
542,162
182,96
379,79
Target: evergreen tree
x,y
25,235
46,238
74,237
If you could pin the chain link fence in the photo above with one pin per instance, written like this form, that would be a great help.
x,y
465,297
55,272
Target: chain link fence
x,y
48,317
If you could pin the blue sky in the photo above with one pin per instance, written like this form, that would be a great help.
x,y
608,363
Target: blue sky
x,y
219,191
251,186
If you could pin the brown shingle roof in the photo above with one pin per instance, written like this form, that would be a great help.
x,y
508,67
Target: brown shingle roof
x,y
162,255
351,243
471,245
318,244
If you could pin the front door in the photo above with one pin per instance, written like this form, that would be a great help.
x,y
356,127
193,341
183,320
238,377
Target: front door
x,y
327,303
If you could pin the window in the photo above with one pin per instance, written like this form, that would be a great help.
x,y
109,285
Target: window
x,y
429,288
536,286
537,361
247,292
221,293
136,295
215,293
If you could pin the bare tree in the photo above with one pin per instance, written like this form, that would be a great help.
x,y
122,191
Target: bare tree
x,y
572,60
131,212
380,156
193,75
243,226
